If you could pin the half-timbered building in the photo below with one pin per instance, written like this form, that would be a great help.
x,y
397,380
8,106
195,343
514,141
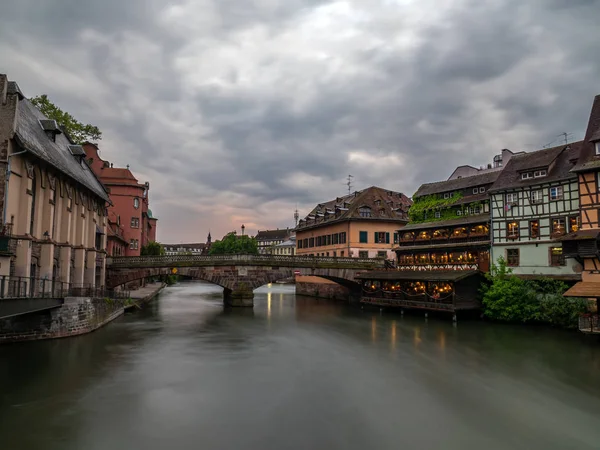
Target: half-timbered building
x,y
535,201
583,245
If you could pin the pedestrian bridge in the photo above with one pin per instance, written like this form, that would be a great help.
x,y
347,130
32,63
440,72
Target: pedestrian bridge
x,y
239,275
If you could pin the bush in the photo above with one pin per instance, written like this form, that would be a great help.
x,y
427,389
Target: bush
x,y
511,299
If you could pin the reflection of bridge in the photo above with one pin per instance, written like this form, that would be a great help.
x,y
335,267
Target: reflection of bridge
x,y
239,275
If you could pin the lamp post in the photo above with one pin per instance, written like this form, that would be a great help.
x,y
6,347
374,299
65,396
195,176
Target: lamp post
x,y
243,228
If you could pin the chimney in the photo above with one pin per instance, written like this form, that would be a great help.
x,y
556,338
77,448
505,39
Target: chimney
x,y
3,88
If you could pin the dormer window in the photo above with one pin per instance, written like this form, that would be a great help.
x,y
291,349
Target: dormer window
x,y
364,211
481,190
597,147
51,128
526,175
540,173
475,190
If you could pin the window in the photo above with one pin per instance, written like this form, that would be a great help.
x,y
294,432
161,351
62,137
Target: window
x,y
535,196
336,239
136,203
512,257
328,239
446,195
133,244
475,190
556,193
364,211
526,175
598,148
512,197
363,237
512,230
474,210
305,243
382,254
459,212
342,253
558,226
534,229
381,237
437,214
540,173
343,238
573,224
396,237
556,256
363,254
481,190
135,222
311,242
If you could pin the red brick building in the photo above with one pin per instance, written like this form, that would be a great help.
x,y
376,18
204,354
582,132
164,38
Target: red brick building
x,y
131,224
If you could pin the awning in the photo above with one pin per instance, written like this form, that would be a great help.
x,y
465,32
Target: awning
x,y
99,230
585,289
581,235
417,275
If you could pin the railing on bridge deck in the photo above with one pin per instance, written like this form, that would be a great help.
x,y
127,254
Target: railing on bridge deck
x,y
259,260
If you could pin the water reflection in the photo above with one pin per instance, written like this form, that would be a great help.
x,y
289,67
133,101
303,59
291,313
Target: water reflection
x,y
298,373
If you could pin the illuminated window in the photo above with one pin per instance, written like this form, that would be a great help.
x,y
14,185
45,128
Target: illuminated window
x,y
556,256
534,229
573,224
512,230
558,226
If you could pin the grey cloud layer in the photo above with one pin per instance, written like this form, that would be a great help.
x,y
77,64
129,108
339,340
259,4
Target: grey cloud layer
x,y
239,111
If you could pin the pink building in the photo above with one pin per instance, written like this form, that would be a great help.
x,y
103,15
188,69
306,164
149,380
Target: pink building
x,y
132,220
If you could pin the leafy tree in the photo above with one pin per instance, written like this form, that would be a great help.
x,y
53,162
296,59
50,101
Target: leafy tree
x,y
232,244
76,130
152,249
511,299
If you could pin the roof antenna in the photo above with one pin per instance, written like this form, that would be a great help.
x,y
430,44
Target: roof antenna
x,y
349,184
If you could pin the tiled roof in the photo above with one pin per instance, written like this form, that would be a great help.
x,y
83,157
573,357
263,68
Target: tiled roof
x,y
462,220
589,160
456,184
32,137
272,235
557,160
384,204
116,172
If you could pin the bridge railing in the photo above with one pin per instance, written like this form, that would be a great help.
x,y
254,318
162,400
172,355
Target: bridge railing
x,y
274,260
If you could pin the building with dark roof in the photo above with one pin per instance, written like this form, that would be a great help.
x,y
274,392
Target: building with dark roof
x,y
361,224
53,206
266,240
535,201
129,201
449,225
198,248
583,246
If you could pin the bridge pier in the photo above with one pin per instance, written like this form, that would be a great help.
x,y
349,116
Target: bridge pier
x,y
242,296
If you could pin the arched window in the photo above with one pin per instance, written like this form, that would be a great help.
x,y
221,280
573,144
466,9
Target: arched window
x,y
33,199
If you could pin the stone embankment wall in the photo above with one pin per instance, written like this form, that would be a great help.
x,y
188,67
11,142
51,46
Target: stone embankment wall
x,y
77,316
320,287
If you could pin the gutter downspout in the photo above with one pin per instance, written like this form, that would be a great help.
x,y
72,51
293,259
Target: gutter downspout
x,y
6,183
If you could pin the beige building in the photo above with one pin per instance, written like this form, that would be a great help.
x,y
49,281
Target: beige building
x,y
360,225
53,207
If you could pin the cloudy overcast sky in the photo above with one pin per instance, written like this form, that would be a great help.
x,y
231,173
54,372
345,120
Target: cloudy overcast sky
x,y
236,111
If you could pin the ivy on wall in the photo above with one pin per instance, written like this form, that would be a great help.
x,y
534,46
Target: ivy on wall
x,y
424,208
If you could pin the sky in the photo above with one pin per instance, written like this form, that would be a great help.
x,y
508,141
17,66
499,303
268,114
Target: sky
x,y
240,111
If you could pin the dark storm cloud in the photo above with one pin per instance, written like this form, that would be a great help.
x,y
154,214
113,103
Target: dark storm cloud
x,y
238,111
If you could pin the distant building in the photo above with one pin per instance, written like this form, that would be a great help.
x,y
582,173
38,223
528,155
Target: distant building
x,y
129,198
184,249
287,248
362,224
497,165
268,239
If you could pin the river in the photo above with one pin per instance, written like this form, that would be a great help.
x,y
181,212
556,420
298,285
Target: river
x,y
298,373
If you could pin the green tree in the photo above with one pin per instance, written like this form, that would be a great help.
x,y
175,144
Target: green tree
x,y
232,244
512,299
76,130
152,249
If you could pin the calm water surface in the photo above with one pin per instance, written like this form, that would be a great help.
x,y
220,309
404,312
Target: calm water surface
x,y
298,373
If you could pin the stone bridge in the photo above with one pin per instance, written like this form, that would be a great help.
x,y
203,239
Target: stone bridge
x,y
239,275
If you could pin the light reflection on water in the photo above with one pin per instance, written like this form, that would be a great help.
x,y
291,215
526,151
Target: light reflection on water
x,y
298,373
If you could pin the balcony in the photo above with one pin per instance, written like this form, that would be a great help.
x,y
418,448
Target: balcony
x,y
454,239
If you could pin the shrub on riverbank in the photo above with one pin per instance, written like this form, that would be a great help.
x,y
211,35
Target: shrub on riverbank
x,y
511,299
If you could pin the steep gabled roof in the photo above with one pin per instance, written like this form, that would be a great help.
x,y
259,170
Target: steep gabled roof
x,y
589,160
32,137
384,205
558,160
457,184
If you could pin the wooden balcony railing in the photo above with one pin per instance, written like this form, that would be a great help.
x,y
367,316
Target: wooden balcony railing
x,y
455,239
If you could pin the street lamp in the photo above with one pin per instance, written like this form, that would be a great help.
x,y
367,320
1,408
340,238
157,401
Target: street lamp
x,y
243,228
